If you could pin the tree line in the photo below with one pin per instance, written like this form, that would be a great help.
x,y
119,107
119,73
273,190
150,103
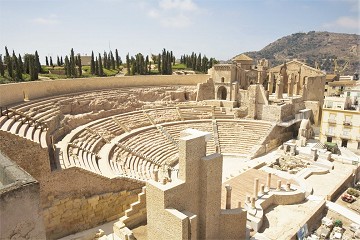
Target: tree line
x,y
14,67
197,63
17,68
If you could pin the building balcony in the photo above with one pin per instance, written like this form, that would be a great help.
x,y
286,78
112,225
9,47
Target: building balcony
x,y
332,121
347,123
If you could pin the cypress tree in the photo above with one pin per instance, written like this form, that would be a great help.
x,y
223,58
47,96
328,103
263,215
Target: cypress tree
x,y
79,65
96,67
105,60
26,64
101,70
31,63
51,62
72,64
92,64
58,61
128,64
117,58
37,64
146,65
159,63
67,67
2,68
46,61
61,61
113,64
18,73
21,64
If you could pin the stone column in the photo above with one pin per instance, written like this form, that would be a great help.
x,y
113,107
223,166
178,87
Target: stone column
x,y
253,202
239,204
313,154
279,88
156,175
247,198
228,196
278,187
268,182
256,188
271,83
288,186
262,189
293,149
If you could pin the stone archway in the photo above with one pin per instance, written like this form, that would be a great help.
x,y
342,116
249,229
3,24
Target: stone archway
x,y
222,93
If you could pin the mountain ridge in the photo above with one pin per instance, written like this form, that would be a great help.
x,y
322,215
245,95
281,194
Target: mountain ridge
x,y
314,48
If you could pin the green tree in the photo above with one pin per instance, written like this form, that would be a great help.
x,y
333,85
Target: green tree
x,y
79,65
51,62
96,67
117,58
105,60
101,70
92,64
67,67
159,63
112,61
46,61
37,64
72,64
21,64
128,64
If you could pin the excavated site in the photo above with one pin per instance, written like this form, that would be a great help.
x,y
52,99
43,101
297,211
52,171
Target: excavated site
x,y
138,153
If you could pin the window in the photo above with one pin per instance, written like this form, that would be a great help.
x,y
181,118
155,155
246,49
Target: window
x,y
329,139
344,142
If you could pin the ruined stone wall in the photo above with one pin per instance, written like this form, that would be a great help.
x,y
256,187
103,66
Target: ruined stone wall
x,y
298,104
205,91
61,192
19,203
316,111
316,89
14,92
72,214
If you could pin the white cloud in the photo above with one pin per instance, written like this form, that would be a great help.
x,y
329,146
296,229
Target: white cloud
x,y
174,13
187,5
345,22
50,20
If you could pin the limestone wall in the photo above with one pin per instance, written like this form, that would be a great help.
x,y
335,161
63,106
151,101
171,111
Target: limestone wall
x,y
14,92
61,192
72,214
205,91
19,203
338,189
316,110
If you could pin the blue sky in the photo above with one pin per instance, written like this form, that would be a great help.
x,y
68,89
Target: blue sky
x,y
220,29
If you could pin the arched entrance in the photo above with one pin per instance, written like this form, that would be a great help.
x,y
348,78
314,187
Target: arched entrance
x,y
222,93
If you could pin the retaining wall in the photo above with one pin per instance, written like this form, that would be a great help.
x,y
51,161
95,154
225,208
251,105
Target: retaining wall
x,y
15,92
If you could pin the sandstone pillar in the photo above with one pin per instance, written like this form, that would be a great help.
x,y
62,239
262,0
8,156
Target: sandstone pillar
x,y
156,175
253,202
288,186
278,187
279,88
268,181
262,189
228,196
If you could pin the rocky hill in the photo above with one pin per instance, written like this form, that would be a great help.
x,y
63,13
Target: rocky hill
x,y
315,48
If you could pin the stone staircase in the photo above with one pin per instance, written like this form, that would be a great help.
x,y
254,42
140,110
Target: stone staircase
x,y
134,216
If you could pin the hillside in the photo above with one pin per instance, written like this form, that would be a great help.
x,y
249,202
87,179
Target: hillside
x,y
311,47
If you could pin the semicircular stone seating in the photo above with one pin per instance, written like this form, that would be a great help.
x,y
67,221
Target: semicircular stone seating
x,y
131,144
